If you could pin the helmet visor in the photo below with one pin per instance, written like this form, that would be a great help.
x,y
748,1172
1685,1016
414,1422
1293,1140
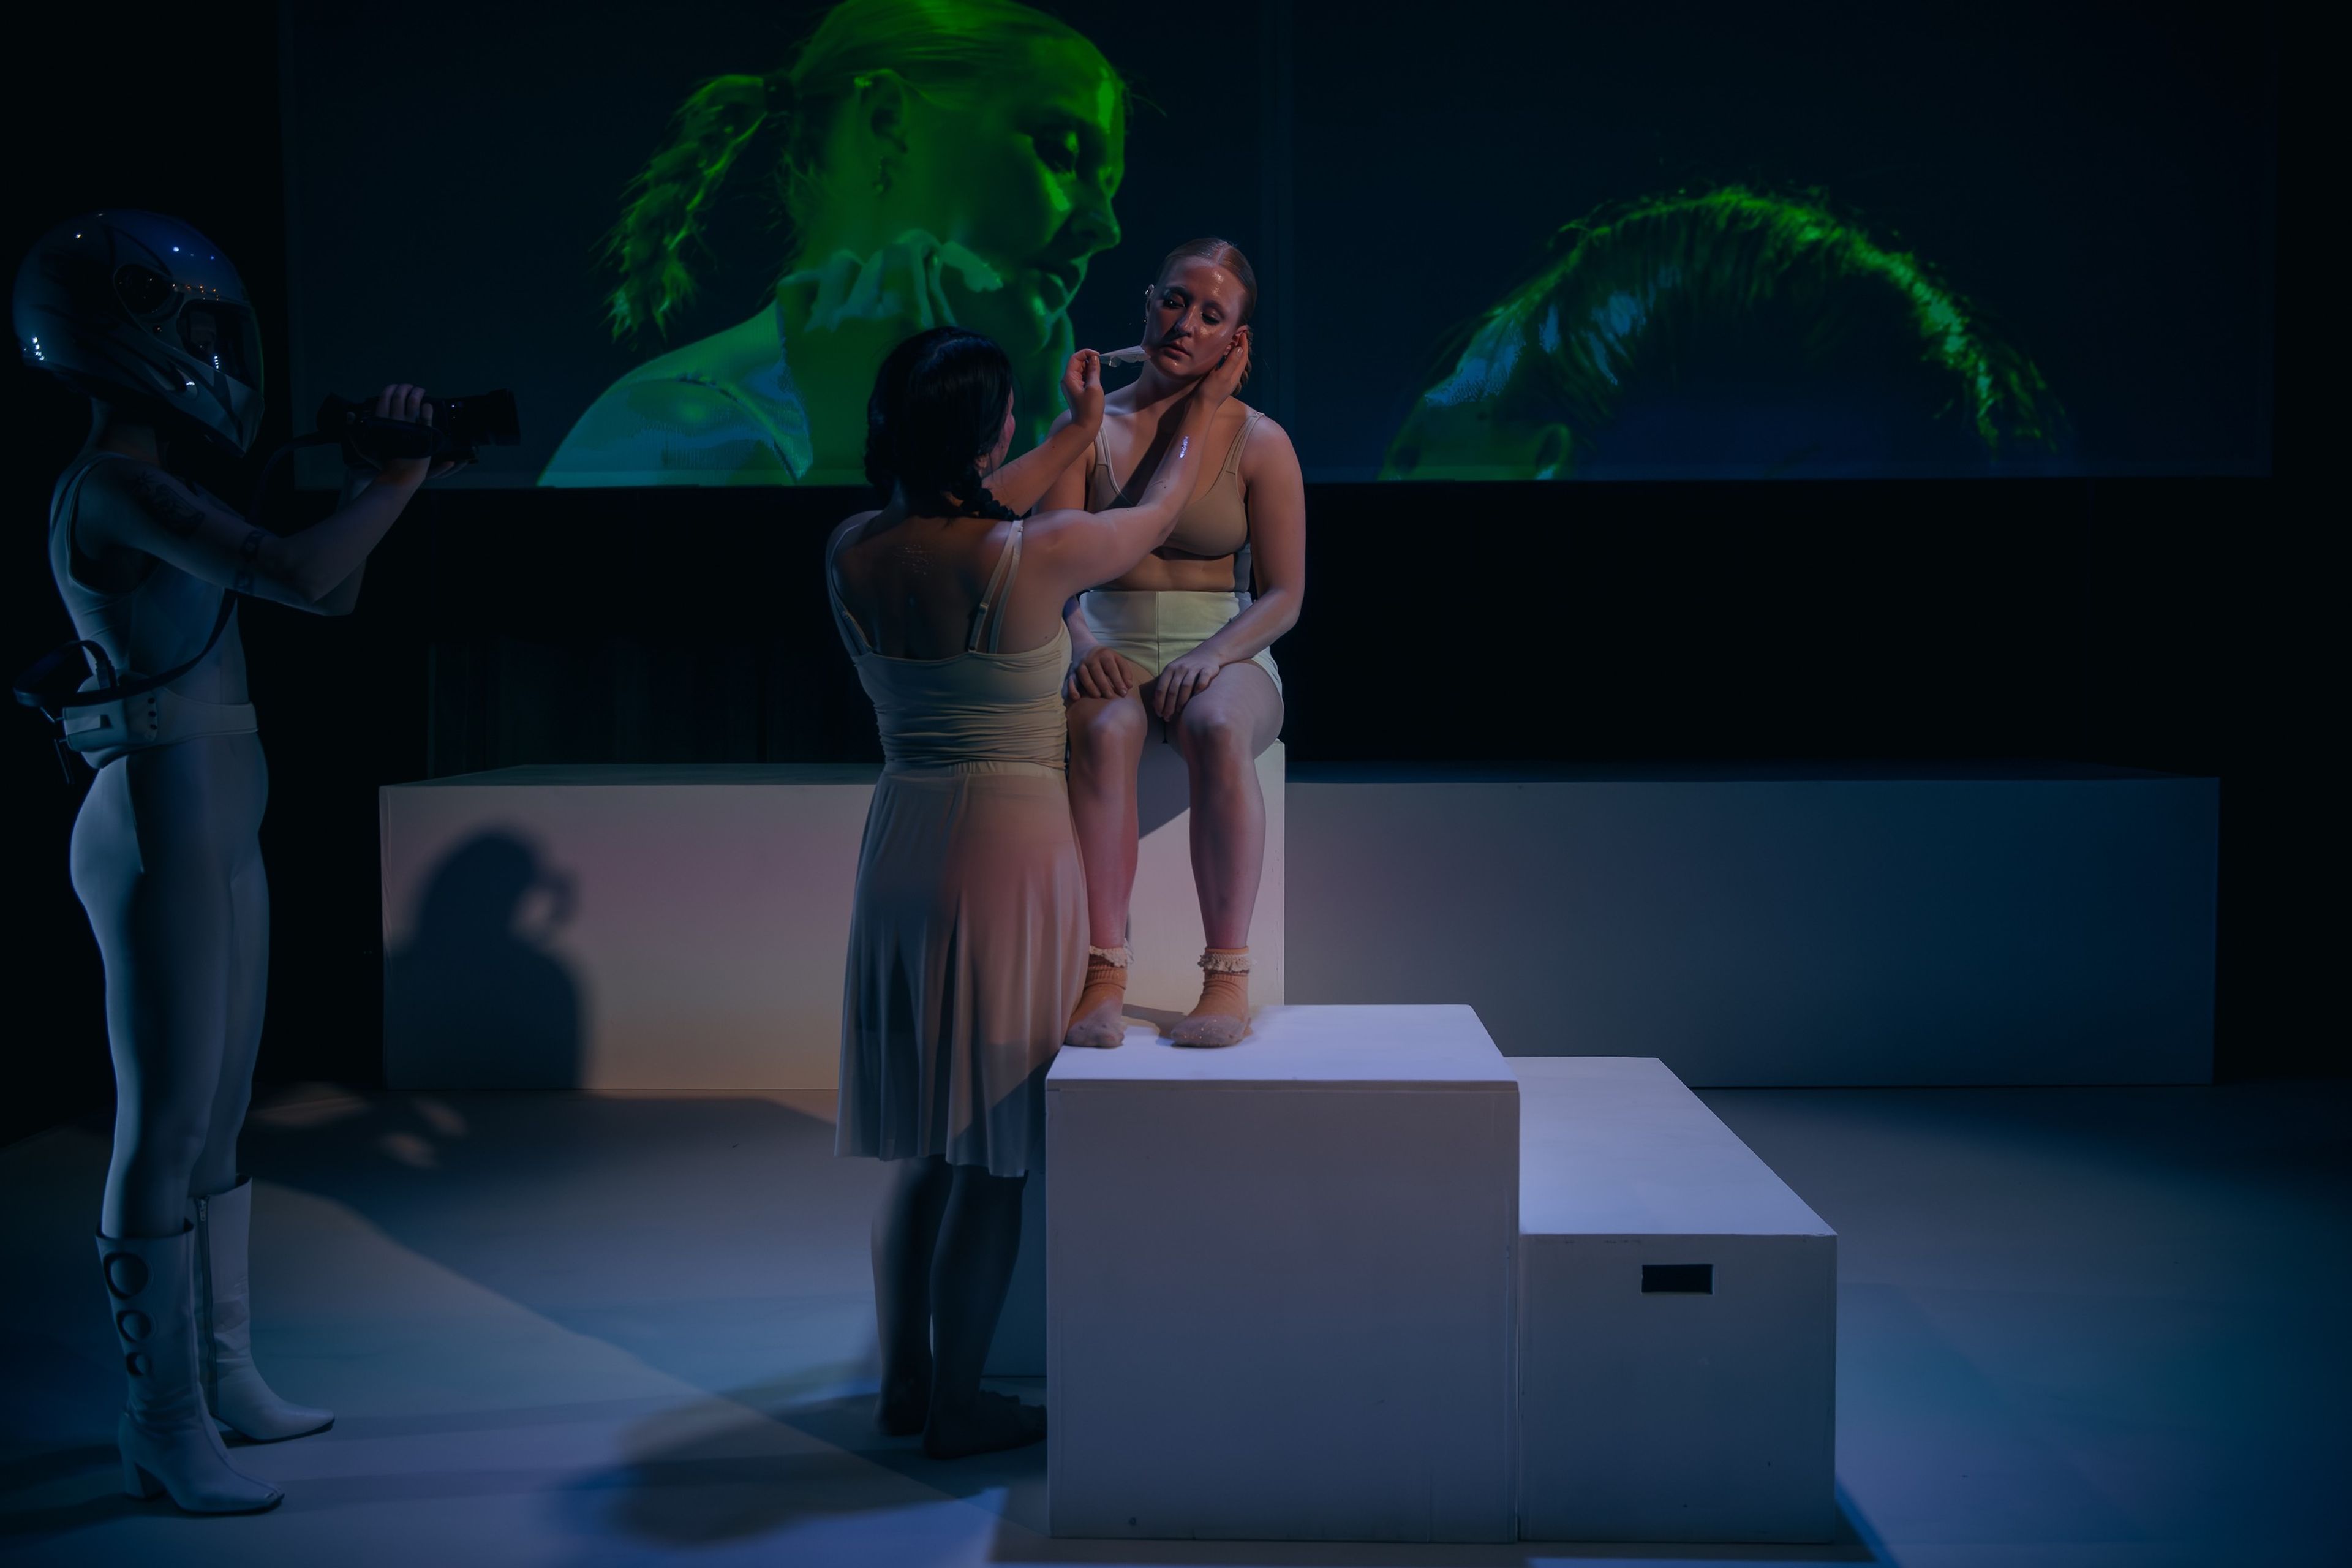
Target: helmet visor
x,y
221,335
215,332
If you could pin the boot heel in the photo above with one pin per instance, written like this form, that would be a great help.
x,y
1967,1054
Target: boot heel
x,y
138,1483
169,1445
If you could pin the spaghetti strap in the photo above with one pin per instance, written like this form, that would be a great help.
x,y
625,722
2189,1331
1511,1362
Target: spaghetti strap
x,y
1233,452
1244,560
844,621
999,587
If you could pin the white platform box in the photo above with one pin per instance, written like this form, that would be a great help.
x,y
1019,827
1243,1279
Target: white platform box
x,y
1164,930
1279,1282
1678,1320
651,928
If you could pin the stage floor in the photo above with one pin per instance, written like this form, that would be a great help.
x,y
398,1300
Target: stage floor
x,y
2077,1327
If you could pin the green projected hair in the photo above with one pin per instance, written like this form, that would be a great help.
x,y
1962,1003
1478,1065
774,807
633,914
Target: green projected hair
x,y
938,45
1664,266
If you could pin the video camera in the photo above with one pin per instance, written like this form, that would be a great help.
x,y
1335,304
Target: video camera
x,y
460,425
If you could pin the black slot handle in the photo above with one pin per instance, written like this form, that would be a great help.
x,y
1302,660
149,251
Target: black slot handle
x,y
1678,1279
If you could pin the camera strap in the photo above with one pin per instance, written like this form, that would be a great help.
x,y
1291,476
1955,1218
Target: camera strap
x,y
53,683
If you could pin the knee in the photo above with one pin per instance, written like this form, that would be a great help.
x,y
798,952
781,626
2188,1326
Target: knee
x,y
166,1140
1105,730
1215,740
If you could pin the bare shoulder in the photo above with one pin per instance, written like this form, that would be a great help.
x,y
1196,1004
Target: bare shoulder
x,y
849,527
735,354
1269,454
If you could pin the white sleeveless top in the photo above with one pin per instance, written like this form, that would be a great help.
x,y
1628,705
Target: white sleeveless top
x,y
154,625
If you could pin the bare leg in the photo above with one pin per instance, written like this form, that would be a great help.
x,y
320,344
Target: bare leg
x,y
979,1236
1221,733
906,1233
1107,736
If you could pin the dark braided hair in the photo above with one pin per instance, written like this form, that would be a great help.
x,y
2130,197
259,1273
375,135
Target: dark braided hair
x,y
938,402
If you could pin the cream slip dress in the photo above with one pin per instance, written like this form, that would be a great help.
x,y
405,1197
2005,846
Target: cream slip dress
x,y
968,936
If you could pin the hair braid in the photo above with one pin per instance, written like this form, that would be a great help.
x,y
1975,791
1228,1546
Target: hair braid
x,y
975,500
939,401
664,211
945,47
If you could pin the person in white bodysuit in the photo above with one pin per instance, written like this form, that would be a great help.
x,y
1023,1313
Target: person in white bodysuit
x,y
146,316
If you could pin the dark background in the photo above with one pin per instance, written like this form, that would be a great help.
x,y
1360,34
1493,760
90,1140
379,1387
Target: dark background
x,y
2097,178
2175,624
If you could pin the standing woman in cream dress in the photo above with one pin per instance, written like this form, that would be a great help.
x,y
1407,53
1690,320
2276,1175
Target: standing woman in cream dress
x,y
1179,641
968,937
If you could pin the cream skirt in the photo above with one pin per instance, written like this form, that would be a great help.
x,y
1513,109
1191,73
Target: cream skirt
x,y
967,951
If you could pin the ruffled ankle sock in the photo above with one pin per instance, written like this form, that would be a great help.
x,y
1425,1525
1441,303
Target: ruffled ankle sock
x,y
1222,1017
1097,1020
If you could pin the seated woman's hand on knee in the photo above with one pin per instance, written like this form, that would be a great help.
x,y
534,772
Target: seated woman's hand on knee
x,y
1184,680
1098,673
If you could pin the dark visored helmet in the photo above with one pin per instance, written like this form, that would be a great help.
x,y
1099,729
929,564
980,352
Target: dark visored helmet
x,y
120,302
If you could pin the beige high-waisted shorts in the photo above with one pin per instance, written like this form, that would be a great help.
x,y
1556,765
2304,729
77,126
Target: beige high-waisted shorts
x,y
1156,629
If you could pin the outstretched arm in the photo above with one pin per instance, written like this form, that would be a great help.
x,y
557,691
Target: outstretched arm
x,y
143,507
1081,549
1036,473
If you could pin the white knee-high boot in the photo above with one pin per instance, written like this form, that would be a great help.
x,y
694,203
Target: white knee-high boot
x,y
167,1437
225,1325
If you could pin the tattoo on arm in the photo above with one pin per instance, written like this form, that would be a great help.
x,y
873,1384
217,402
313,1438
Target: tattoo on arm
x,y
249,551
169,506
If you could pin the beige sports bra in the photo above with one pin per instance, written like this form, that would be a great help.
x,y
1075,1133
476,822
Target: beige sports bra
x,y
1215,524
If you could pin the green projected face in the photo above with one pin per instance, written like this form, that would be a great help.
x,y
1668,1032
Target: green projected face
x,y
947,161
1020,169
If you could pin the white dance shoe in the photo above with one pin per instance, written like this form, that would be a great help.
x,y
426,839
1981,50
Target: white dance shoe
x,y
167,1437
233,1384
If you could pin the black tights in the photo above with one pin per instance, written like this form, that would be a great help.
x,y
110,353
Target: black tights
x,y
944,1246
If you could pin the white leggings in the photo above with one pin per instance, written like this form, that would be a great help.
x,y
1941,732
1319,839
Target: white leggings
x,y
167,863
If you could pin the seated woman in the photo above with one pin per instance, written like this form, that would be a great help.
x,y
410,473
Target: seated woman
x,y
968,935
1730,334
1179,641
